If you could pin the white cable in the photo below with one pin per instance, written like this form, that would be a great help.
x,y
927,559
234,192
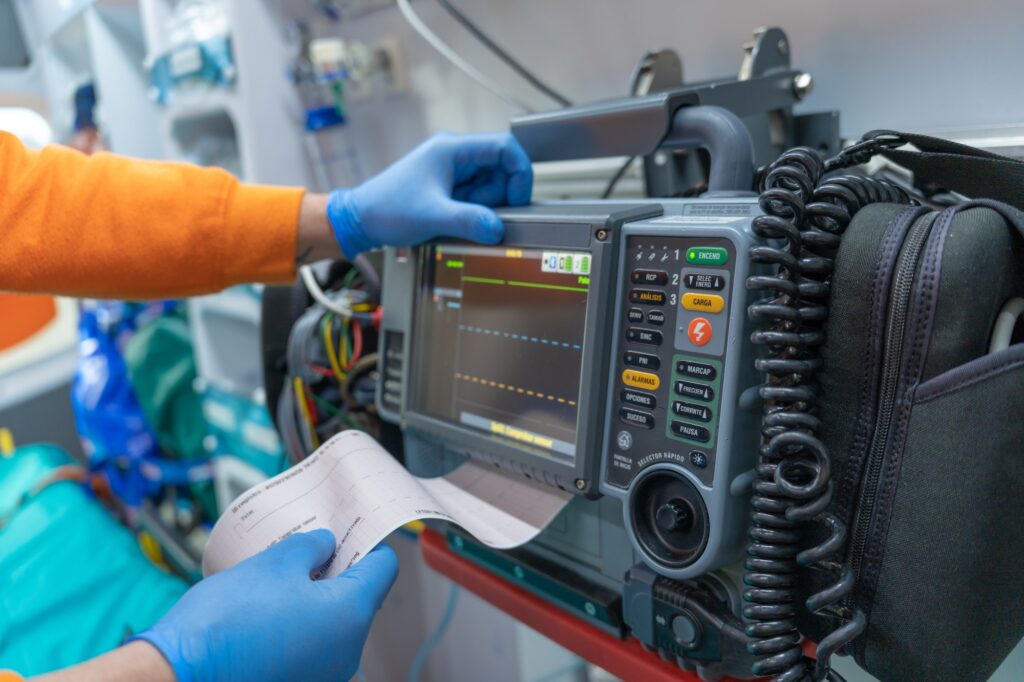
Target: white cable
x,y
313,287
1002,332
452,56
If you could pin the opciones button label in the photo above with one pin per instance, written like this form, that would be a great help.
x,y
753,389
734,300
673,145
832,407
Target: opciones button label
x,y
632,377
707,255
709,303
639,399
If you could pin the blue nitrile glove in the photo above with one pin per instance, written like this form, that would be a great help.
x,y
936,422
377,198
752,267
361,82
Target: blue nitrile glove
x,y
443,188
265,619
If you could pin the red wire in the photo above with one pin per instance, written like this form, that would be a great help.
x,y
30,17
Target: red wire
x,y
322,371
313,416
357,344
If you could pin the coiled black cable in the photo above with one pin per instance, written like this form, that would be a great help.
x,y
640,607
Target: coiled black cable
x,y
805,212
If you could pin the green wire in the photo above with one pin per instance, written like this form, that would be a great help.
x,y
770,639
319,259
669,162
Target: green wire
x,y
334,410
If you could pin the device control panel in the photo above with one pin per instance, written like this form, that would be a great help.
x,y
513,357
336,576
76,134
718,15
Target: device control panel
x,y
678,368
674,321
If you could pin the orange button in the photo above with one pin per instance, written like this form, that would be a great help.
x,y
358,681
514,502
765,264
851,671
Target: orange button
x,y
709,303
636,379
699,331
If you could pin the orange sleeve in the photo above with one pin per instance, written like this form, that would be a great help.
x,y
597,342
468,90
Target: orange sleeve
x,y
107,226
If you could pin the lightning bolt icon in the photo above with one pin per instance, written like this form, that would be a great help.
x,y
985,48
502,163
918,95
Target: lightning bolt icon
x,y
699,331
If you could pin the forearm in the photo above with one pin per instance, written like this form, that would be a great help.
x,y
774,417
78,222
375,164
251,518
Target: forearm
x,y
110,226
132,662
315,237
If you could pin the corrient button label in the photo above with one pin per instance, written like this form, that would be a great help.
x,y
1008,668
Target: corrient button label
x,y
708,303
691,411
636,379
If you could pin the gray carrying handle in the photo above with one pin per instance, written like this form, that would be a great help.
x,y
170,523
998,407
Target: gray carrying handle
x,y
726,139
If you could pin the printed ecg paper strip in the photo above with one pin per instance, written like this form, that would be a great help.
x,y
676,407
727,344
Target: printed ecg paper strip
x,y
352,486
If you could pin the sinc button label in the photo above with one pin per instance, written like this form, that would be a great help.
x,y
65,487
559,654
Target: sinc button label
x,y
709,303
707,255
632,377
699,331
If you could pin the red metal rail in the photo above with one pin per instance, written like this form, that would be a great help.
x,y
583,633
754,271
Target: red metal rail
x,y
624,659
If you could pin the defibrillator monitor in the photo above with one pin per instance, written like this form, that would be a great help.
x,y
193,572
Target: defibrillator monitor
x,y
510,343
504,329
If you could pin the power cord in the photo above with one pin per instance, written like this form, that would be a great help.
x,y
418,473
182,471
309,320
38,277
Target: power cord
x,y
504,56
434,638
451,55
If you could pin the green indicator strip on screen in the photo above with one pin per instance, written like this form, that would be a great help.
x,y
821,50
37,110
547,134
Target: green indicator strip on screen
x,y
538,285
482,280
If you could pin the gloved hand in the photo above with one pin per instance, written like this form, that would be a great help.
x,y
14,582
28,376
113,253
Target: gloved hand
x,y
265,619
442,188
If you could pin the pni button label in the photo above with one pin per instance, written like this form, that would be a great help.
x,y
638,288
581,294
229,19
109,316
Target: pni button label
x,y
708,303
642,360
647,297
632,377
707,255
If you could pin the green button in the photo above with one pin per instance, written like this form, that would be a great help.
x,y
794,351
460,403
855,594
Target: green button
x,y
707,255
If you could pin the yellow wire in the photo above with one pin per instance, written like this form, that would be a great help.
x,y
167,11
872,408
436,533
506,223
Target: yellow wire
x,y
300,398
343,345
329,347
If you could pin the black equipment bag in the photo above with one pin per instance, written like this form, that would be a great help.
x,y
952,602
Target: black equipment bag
x,y
919,545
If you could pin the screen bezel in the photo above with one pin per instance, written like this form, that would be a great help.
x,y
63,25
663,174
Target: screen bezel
x,y
578,475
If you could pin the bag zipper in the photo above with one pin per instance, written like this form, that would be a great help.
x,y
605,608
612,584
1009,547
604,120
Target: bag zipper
x,y
900,297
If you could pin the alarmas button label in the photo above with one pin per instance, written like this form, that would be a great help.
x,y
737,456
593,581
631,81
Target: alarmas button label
x,y
646,380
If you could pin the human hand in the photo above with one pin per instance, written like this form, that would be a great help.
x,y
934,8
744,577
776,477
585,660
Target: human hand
x,y
265,619
444,187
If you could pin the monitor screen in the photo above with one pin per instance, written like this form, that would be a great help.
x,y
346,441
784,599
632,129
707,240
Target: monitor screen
x,y
501,342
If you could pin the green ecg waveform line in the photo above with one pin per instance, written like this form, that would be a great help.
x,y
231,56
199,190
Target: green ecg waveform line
x,y
513,283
